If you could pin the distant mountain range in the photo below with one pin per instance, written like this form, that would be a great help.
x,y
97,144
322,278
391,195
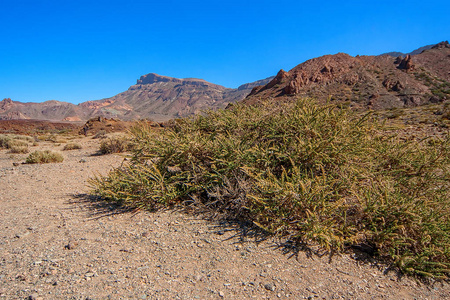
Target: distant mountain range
x,y
154,97
367,82
415,52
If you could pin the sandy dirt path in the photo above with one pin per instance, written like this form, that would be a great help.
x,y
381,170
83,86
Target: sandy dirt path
x,y
55,244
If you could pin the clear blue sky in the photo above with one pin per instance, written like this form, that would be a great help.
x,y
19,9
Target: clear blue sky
x,y
81,50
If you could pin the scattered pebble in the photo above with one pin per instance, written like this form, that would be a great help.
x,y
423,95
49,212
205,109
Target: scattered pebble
x,y
269,287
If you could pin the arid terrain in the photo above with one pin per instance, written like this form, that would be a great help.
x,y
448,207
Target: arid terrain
x,y
57,242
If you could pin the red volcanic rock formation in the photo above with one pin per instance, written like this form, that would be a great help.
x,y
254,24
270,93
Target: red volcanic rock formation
x,y
406,64
5,104
376,82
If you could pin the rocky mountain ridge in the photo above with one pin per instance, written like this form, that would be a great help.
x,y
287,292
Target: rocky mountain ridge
x,y
366,82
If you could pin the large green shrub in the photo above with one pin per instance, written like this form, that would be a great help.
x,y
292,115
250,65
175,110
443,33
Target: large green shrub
x,y
314,174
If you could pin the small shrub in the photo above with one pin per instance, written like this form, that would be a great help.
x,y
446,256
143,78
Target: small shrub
x,y
16,143
23,137
55,139
72,146
12,141
43,157
19,149
4,140
101,134
114,145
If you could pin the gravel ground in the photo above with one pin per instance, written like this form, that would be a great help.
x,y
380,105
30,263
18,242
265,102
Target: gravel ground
x,y
56,244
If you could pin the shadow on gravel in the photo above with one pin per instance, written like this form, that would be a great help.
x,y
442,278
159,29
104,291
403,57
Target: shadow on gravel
x,y
97,206
242,232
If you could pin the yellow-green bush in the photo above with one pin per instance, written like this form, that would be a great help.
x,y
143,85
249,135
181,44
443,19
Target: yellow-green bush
x,y
72,146
314,174
43,157
116,144
19,149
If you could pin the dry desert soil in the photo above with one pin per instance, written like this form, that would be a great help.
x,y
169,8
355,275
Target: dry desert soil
x,y
56,242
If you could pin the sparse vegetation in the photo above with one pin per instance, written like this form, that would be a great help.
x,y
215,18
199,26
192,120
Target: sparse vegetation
x,y
115,144
15,143
72,146
43,157
55,138
101,134
19,149
309,173
439,87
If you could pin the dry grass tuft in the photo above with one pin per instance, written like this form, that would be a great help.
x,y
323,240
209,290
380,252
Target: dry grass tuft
x,y
115,144
43,157
72,146
15,143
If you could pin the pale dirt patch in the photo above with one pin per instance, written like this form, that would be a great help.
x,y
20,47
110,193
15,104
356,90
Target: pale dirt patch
x,y
55,244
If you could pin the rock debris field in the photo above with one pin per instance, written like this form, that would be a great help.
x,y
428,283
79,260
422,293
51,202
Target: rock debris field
x,y
55,243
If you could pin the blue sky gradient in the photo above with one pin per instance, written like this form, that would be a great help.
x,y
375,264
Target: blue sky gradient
x,y
81,50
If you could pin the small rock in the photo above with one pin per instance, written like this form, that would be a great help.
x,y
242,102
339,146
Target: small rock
x,y
221,294
269,287
33,296
82,160
21,235
15,164
71,245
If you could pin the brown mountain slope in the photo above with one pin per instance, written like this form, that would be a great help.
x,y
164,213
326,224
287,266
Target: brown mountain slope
x,y
376,82
153,97
162,98
48,110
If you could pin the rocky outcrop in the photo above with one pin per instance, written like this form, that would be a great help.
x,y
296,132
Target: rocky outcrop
x,y
441,45
6,104
406,64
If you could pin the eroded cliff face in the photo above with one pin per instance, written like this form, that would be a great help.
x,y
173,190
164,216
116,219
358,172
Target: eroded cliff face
x,y
375,82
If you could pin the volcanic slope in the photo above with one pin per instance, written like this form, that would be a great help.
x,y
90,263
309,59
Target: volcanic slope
x,y
49,110
366,82
153,97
